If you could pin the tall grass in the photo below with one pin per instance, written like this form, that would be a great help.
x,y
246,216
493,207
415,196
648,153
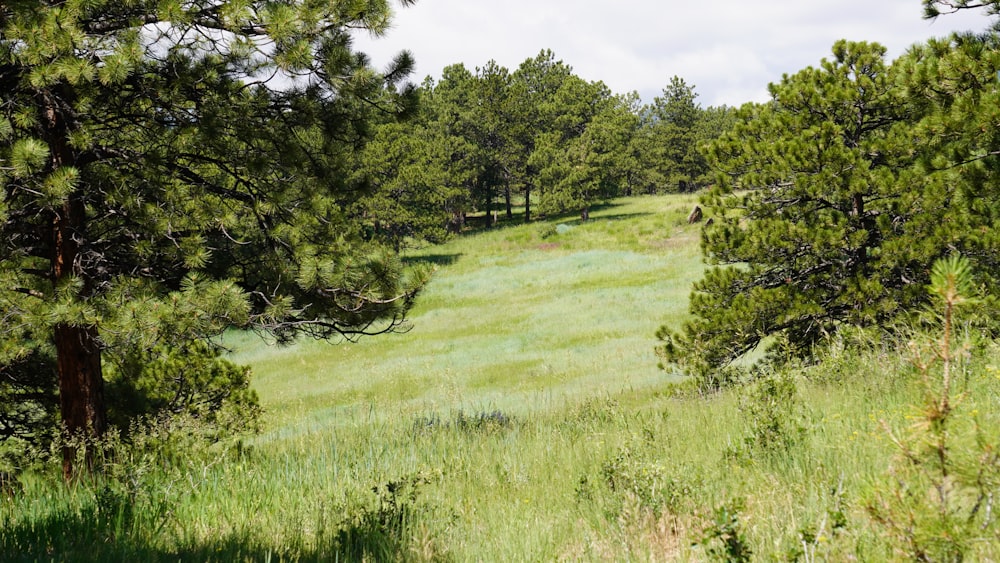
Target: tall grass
x,y
517,319
520,419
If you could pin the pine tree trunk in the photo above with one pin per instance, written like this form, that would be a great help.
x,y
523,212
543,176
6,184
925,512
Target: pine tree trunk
x,y
81,389
527,203
78,350
858,210
489,208
508,201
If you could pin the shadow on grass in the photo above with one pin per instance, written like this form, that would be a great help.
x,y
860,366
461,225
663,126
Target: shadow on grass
x,y
94,535
435,259
616,217
478,222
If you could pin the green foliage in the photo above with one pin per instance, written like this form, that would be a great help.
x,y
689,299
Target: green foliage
x,y
815,541
485,422
29,405
540,135
382,531
828,214
410,195
577,170
582,159
339,421
655,488
772,416
160,188
937,505
191,379
724,539
668,141
476,120
935,8
144,480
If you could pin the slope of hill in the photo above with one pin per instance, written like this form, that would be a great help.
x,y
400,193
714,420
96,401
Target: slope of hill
x,y
513,319
522,418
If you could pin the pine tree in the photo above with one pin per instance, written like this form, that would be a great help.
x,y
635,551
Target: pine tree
x,y
670,138
580,159
832,209
409,195
935,8
535,83
171,168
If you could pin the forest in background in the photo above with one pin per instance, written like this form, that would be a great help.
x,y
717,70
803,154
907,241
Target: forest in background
x,y
539,139
159,192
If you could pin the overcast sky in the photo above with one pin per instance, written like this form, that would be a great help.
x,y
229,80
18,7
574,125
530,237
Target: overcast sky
x,y
728,49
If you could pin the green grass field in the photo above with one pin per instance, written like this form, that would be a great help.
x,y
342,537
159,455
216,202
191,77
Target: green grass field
x,y
521,418
510,321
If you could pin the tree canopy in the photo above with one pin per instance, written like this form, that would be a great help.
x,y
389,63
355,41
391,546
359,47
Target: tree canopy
x,y
171,168
935,8
837,195
546,138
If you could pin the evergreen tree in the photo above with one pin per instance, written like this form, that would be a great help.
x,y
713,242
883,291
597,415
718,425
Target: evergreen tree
x,y
536,82
580,160
956,84
588,161
161,185
826,216
935,8
409,194
443,110
676,116
477,110
668,140
491,119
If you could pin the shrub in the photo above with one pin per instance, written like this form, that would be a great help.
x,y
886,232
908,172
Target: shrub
x,y
381,531
772,416
649,483
723,539
191,378
480,422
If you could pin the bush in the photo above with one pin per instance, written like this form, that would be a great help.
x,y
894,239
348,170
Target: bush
x,y
723,539
383,530
143,389
649,483
481,422
184,379
772,415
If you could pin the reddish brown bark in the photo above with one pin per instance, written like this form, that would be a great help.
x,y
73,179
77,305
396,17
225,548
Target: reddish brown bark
x,y
78,350
81,388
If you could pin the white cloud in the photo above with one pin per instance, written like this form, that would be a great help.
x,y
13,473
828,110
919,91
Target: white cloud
x,y
729,49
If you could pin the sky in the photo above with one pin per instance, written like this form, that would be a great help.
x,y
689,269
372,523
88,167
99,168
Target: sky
x,y
729,50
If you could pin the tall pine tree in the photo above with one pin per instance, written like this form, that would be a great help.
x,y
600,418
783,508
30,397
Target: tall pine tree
x,y
173,167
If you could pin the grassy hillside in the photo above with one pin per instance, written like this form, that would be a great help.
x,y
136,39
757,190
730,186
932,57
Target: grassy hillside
x,y
522,418
519,318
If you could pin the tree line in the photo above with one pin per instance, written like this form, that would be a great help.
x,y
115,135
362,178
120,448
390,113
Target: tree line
x,y
538,139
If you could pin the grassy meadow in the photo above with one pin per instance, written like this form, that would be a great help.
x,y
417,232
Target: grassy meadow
x,y
523,418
